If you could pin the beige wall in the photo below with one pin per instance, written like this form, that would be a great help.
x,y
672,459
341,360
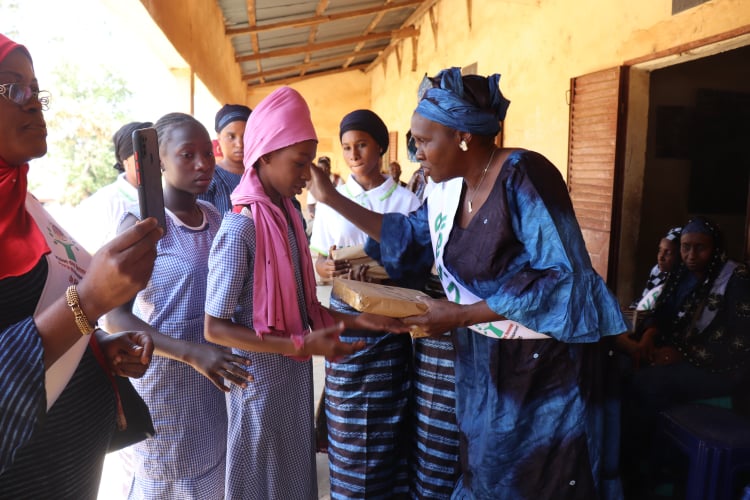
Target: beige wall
x,y
538,46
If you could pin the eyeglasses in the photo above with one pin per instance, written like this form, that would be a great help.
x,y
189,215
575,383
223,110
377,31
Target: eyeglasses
x,y
21,94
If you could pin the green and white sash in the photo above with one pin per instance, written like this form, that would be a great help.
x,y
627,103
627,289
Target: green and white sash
x,y
67,263
441,209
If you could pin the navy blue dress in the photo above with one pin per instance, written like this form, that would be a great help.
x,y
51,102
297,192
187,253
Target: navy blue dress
x,y
530,412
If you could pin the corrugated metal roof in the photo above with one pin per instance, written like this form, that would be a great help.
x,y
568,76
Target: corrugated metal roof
x,y
294,39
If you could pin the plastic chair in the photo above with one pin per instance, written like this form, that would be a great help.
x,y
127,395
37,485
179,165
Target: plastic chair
x,y
717,444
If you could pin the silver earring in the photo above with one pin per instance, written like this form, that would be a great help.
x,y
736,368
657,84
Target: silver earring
x,y
463,146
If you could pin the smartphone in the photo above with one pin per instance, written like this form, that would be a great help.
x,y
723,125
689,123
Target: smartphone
x,y
148,174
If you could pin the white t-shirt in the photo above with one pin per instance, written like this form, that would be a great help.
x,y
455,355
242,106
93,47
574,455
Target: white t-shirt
x,y
330,228
98,216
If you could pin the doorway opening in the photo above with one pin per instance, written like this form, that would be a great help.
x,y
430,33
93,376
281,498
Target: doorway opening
x,y
687,153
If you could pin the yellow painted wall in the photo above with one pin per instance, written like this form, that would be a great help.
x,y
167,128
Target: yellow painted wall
x,y
538,46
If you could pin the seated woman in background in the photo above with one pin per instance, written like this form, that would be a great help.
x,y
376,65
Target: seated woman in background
x,y
667,258
698,340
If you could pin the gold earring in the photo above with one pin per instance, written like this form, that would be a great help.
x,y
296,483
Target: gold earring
x,y
463,146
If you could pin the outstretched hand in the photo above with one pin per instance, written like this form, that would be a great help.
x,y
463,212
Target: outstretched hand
x,y
326,342
218,364
441,316
376,322
127,353
321,186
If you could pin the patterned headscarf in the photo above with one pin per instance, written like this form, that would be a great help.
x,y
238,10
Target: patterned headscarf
x,y
689,330
674,234
443,99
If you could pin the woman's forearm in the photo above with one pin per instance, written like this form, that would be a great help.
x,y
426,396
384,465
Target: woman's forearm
x,y
121,319
57,328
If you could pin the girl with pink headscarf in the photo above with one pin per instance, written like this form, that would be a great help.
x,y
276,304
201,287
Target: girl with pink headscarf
x,y
261,301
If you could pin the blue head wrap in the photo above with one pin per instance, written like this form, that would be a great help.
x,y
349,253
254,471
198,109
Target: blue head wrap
x,y
700,224
446,104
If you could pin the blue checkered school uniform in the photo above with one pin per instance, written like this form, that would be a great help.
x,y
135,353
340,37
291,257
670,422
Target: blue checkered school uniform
x,y
186,458
222,184
270,450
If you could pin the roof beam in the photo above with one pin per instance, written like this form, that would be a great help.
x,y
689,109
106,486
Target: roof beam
x,y
375,21
251,18
322,6
392,35
302,68
319,19
411,20
294,79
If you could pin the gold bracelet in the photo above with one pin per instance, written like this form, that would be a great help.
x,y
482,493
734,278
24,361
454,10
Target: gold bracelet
x,y
82,322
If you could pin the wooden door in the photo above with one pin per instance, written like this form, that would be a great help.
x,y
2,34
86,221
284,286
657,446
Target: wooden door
x,y
597,120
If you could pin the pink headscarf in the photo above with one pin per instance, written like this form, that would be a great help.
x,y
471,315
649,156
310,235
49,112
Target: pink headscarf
x,y
280,120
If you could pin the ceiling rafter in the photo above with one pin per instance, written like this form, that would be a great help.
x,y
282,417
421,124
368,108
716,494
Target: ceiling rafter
x,y
319,18
309,65
287,81
253,37
322,6
412,20
405,32
370,27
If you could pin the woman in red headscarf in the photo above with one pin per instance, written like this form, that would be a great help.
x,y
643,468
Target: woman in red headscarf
x,y
58,403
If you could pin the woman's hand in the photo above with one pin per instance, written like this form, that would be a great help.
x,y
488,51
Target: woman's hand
x,y
328,268
321,186
359,273
666,355
119,269
127,353
441,316
216,363
326,342
644,352
376,322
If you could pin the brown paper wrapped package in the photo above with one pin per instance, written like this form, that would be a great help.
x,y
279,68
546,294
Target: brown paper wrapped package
x,y
385,300
357,257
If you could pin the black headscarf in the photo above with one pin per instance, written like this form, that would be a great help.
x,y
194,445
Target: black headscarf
x,y
123,141
366,121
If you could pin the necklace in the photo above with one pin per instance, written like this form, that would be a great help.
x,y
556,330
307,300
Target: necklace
x,y
484,174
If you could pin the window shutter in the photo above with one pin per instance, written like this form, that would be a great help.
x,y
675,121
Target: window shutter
x,y
597,112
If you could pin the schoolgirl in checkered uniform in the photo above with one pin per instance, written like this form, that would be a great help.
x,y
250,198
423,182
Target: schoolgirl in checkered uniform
x,y
261,301
186,457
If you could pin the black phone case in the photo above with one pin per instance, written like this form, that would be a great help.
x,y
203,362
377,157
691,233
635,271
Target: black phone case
x,y
148,171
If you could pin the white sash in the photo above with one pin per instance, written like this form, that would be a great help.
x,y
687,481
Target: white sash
x,y
441,209
67,264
